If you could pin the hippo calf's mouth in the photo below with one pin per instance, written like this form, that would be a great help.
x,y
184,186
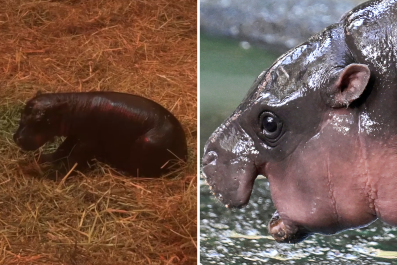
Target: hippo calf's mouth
x,y
228,164
237,195
282,234
233,191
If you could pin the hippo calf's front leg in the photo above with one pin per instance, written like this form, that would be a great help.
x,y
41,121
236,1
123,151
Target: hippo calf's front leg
x,y
70,152
283,234
63,151
81,153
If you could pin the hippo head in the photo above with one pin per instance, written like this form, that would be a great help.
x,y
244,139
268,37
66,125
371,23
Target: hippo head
x,y
299,126
39,122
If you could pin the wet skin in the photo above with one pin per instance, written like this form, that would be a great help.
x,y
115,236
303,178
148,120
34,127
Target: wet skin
x,y
131,133
321,125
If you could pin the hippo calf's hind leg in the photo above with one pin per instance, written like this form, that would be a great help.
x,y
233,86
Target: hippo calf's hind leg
x,y
154,157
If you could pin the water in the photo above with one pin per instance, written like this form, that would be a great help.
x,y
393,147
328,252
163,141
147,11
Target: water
x,y
240,236
227,71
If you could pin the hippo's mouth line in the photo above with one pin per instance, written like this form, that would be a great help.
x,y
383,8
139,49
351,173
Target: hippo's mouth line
x,y
236,199
219,195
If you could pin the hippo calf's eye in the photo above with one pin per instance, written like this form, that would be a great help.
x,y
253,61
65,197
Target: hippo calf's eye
x,y
271,126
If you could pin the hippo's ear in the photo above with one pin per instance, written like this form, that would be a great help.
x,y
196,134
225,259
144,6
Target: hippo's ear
x,y
349,85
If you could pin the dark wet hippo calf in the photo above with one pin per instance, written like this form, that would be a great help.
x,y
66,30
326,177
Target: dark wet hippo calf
x,y
129,132
321,124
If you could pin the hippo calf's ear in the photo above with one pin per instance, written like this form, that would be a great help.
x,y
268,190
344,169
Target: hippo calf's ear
x,y
349,85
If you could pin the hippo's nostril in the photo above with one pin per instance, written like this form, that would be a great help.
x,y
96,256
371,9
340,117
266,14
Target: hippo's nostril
x,y
210,158
280,233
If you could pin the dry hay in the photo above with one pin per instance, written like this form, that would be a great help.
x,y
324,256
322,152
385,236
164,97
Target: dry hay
x,y
141,47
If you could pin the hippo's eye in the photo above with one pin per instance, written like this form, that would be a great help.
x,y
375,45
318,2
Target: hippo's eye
x,y
271,126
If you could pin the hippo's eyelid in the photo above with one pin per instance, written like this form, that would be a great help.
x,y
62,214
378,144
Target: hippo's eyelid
x,y
271,128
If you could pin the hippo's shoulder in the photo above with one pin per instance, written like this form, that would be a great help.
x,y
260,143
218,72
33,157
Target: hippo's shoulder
x,y
370,34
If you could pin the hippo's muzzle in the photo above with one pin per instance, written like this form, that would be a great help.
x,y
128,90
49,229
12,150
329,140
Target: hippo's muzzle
x,y
27,142
228,166
231,183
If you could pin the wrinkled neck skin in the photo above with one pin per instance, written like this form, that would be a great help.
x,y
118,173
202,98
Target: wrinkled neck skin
x,y
341,177
332,168
63,110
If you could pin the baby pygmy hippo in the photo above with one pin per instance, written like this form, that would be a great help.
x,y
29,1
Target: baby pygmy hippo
x,y
129,132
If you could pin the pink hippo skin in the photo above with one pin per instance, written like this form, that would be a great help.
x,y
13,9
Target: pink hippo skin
x,y
321,124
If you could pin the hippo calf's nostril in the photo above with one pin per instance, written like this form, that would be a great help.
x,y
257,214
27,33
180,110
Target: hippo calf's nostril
x,y
210,158
280,233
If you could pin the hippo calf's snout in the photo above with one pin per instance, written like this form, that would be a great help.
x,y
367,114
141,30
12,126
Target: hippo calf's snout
x,y
18,140
235,189
282,234
320,123
209,158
